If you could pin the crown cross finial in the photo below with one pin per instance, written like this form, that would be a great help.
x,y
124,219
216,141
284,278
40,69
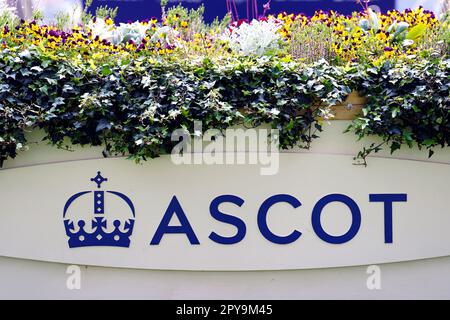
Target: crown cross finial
x,y
99,235
99,179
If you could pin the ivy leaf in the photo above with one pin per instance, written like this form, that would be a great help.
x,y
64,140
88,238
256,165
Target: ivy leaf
x,y
25,72
58,101
395,146
106,70
319,87
37,69
102,125
51,81
395,112
44,89
25,54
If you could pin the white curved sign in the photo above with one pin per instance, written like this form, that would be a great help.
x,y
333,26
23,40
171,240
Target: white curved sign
x,y
319,211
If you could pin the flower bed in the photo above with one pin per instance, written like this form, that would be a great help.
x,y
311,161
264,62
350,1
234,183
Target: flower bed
x,y
128,87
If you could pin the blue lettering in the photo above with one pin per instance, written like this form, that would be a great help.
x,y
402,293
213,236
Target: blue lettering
x,y
175,209
388,200
238,223
262,219
184,228
317,224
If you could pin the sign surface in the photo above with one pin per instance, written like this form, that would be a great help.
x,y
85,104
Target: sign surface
x,y
319,211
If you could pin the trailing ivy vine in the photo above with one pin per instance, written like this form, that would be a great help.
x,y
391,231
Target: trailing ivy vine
x,y
133,108
408,103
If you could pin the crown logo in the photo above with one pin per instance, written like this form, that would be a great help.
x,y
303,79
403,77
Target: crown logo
x,y
99,236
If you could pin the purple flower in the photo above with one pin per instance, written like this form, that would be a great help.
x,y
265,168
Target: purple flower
x,y
53,33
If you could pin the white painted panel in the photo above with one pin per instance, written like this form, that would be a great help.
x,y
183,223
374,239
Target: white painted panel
x,y
31,223
424,279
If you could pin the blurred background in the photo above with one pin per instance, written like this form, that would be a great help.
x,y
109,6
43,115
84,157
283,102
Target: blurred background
x,y
142,9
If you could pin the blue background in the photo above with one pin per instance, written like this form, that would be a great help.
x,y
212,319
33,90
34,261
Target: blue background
x,y
143,9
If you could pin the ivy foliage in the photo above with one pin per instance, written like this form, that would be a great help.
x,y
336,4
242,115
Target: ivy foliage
x,y
132,106
408,103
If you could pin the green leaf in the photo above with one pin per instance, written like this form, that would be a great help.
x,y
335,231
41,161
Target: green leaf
x,y
51,81
416,32
374,21
44,89
37,69
400,28
319,87
395,146
106,70
395,112
364,24
429,142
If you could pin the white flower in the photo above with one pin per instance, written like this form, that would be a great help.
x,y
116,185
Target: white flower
x,y
135,32
174,113
408,42
7,13
123,33
274,112
6,8
167,35
150,112
101,29
255,38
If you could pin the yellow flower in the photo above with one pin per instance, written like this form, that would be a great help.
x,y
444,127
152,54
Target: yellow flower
x,y
92,64
98,55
